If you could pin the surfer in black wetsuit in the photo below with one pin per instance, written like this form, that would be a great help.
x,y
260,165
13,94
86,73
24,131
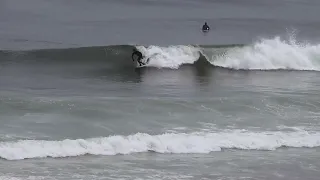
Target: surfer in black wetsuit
x,y
140,56
205,27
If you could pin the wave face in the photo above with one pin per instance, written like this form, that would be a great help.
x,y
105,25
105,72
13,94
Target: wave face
x,y
265,54
164,143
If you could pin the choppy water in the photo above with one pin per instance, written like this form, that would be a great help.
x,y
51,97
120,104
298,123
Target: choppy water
x,y
240,102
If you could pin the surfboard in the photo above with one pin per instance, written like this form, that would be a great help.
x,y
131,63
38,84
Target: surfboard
x,y
141,66
205,30
138,66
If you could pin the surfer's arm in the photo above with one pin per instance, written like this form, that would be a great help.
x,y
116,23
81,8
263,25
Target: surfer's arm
x,y
132,56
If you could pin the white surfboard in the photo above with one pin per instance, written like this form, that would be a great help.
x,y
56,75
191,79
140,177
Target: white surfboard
x,y
137,65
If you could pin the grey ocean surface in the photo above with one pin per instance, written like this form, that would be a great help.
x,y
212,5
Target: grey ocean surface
x,y
242,105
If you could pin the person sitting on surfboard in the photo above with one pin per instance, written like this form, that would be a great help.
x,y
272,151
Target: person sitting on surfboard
x,y
205,27
140,56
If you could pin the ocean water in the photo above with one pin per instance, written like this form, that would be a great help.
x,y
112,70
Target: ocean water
x,y
239,102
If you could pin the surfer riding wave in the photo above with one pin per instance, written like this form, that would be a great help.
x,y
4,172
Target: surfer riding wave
x,y
139,57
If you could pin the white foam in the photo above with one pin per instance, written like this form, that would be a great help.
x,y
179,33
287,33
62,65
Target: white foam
x,y
265,54
200,142
270,54
8,178
170,57
22,178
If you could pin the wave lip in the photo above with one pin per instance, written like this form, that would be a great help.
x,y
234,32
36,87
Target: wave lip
x,y
163,143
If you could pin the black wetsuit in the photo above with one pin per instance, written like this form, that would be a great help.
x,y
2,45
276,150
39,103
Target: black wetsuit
x,y
139,54
205,27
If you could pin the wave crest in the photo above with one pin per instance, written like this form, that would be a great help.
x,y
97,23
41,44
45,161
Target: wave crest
x,y
164,143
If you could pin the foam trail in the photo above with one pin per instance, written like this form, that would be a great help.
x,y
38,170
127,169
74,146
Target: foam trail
x,y
271,54
170,57
164,143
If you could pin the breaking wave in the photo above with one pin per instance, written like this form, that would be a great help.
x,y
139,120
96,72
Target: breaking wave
x,y
201,142
170,57
272,54
265,54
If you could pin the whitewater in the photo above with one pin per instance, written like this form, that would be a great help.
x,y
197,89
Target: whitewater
x,y
265,54
197,142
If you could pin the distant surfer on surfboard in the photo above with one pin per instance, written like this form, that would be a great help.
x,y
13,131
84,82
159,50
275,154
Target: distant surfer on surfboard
x,y
139,57
205,27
